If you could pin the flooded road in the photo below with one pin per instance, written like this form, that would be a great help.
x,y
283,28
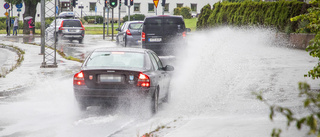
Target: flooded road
x,y
211,94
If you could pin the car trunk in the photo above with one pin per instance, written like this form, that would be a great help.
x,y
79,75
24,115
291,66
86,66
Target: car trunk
x,y
163,29
111,79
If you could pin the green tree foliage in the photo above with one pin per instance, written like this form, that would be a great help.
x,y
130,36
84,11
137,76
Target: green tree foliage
x,y
177,11
313,17
312,97
271,14
203,17
184,11
134,17
30,7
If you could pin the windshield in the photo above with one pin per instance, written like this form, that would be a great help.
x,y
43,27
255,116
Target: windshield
x,y
71,23
135,26
116,59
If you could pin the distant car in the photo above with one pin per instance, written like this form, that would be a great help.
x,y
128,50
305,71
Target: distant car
x,y
164,34
130,33
109,74
70,29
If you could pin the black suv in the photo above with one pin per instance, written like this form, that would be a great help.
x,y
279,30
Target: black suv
x,y
164,34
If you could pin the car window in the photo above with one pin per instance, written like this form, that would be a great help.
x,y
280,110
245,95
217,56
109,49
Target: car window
x,y
122,27
71,23
154,62
153,22
157,60
116,59
135,26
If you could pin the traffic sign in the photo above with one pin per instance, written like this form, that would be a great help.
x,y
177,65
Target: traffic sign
x,y
18,9
19,5
156,3
6,6
6,13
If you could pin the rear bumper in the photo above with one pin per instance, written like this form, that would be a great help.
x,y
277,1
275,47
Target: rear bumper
x,y
163,48
104,95
133,40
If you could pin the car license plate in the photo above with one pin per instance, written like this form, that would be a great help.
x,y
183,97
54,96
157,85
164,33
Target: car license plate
x,y
72,30
155,39
110,78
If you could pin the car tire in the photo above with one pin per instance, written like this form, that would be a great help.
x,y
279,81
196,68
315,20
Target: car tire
x,y
117,41
125,41
155,102
82,106
167,98
80,41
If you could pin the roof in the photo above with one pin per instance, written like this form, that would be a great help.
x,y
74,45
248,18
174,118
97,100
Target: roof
x,y
142,50
163,16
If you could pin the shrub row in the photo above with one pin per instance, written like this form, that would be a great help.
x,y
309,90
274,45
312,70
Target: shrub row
x,y
274,14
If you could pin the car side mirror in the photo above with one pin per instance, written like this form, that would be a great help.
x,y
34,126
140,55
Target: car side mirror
x,y
117,29
168,68
188,29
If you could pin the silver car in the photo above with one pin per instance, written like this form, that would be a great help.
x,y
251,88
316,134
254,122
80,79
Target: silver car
x,y
130,33
70,29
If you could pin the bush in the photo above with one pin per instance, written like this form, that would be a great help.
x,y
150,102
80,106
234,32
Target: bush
x,y
99,19
134,17
186,12
177,11
271,14
203,17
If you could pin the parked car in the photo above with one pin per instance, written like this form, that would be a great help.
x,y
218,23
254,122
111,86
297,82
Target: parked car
x,y
163,34
70,29
110,74
130,33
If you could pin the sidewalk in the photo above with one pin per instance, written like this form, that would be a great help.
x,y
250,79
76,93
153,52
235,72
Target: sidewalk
x,y
29,72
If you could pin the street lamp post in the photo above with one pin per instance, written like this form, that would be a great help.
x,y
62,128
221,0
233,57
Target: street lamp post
x,y
81,7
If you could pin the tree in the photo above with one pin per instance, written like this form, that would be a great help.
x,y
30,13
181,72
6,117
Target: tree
x,y
30,7
312,98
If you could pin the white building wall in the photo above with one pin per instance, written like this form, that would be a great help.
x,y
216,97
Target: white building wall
x,y
100,3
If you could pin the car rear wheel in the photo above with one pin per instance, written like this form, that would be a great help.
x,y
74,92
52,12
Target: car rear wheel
x,y
155,102
82,106
80,41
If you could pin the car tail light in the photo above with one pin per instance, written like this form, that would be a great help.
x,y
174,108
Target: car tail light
x,y
143,80
82,26
78,79
128,32
184,34
143,36
61,26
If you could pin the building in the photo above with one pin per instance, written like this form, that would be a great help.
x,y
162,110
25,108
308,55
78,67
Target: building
x,y
146,7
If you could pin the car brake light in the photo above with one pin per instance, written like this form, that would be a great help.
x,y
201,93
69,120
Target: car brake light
x,y
61,26
78,79
82,26
184,34
128,32
143,36
143,80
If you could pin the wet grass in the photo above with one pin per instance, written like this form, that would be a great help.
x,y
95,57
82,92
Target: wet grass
x,y
97,29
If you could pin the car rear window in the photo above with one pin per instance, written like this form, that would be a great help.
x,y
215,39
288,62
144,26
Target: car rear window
x,y
135,26
71,23
116,59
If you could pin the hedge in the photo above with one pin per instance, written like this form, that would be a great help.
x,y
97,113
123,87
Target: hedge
x,y
274,14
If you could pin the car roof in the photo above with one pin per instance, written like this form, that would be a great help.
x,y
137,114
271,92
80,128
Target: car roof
x,y
136,21
165,16
141,50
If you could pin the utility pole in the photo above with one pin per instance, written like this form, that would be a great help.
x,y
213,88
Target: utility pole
x,y
119,22
104,21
